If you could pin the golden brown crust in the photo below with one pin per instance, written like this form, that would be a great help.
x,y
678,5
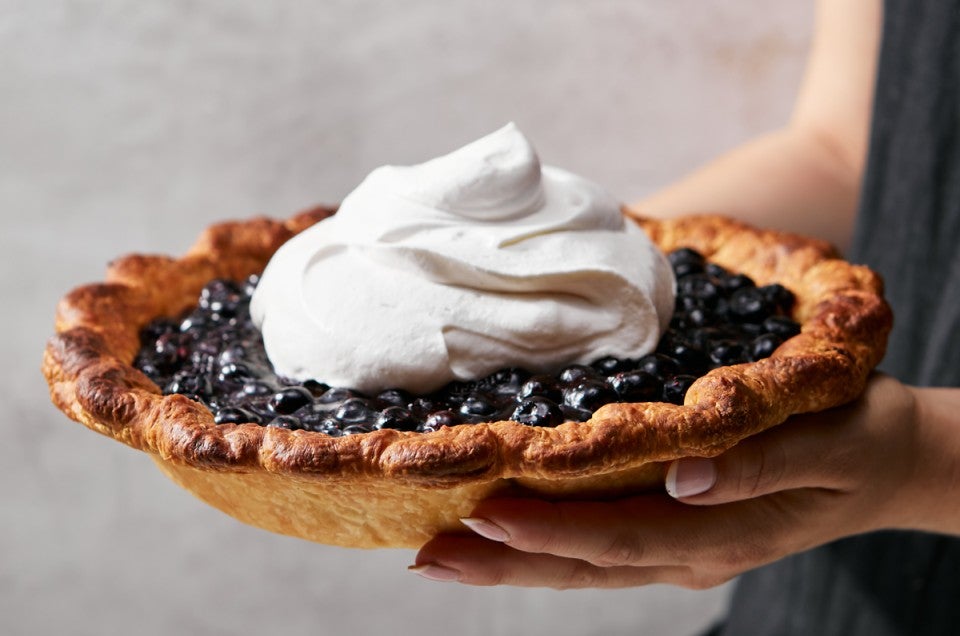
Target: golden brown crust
x,y
396,488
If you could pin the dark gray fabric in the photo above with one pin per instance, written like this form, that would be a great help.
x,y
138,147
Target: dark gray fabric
x,y
909,223
908,229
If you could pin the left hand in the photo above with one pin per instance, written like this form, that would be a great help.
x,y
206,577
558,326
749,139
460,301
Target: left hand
x,y
814,479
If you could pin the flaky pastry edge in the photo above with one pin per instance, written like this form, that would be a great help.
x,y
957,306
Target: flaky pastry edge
x,y
88,365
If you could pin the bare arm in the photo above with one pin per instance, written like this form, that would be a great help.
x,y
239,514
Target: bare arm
x,y
806,176
891,460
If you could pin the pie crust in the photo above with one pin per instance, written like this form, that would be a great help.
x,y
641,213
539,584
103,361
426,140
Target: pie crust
x,y
398,489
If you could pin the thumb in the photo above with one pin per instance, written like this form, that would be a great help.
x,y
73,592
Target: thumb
x,y
781,459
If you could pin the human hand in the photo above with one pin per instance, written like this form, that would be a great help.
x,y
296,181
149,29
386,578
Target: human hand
x,y
817,478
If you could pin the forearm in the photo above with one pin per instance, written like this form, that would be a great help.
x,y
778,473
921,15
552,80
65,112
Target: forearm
x,y
788,180
806,176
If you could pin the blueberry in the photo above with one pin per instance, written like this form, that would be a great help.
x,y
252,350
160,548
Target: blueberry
x,y
737,281
169,350
702,289
456,392
609,365
257,407
285,421
717,271
692,360
396,417
698,317
231,354
750,330
235,415
219,290
589,395
538,411
478,406
686,269
186,383
156,328
423,406
659,365
781,326
355,411
290,399
727,352
686,261
394,397
576,373
505,381
335,395
779,296
675,389
250,285
236,372
704,337
356,429
195,322
763,346
330,428
438,419
750,305
151,371
258,388
313,420
200,363
636,386
721,311
543,386
680,320
573,414
317,423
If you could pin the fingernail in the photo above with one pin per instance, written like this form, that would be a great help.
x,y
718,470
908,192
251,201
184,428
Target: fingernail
x,y
436,572
690,476
486,529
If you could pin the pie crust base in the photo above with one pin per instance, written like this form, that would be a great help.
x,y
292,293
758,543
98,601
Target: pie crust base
x,y
398,489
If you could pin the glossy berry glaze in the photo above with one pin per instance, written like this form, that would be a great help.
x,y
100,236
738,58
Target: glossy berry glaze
x,y
215,355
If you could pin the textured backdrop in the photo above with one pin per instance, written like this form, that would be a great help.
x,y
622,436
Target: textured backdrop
x,y
129,126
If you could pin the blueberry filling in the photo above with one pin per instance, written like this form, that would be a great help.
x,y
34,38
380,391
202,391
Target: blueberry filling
x,y
213,354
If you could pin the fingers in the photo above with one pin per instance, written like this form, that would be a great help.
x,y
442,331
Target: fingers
x,y
842,449
475,561
644,540
802,454
818,478
601,533
648,531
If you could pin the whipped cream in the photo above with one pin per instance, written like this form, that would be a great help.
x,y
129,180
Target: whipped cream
x,y
454,268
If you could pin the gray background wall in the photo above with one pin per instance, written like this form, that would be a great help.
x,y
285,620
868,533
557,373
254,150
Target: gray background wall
x,y
129,126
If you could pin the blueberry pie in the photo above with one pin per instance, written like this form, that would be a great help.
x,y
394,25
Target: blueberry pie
x,y
362,379
333,465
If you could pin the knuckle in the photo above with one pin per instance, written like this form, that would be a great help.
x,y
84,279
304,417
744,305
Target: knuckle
x,y
546,537
624,548
581,575
742,556
544,541
491,577
760,469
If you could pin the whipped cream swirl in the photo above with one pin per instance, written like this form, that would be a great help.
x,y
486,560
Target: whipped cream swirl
x,y
457,267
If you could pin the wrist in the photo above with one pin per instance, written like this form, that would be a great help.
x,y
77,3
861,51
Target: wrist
x,y
930,498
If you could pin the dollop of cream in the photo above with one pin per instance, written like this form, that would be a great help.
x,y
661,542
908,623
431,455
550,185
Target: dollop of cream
x,y
459,266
